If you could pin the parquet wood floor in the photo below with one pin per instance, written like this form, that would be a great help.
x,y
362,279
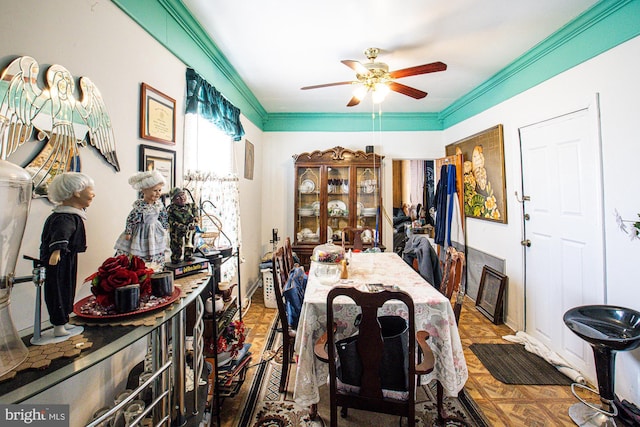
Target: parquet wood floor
x,y
502,404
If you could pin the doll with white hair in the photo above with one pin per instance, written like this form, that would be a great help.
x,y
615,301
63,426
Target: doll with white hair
x,y
146,226
63,237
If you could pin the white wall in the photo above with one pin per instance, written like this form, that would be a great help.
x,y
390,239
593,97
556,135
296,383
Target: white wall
x,y
250,207
96,39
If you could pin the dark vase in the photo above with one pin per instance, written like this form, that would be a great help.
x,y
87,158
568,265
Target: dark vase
x,y
127,298
162,283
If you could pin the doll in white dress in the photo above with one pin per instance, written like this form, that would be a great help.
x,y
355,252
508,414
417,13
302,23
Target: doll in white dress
x,y
145,232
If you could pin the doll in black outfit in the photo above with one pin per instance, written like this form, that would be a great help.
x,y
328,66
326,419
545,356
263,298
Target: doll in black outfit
x,y
63,237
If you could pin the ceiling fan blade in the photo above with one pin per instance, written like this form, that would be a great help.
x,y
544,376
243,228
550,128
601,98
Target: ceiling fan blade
x,y
326,85
355,66
353,101
418,69
407,90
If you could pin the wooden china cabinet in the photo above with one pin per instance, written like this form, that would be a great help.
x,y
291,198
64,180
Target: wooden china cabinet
x,y
334,189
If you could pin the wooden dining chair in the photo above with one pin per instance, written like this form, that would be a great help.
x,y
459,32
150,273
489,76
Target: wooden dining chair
x,y
353,236
280,276
288,255
368,394
452,276
425,366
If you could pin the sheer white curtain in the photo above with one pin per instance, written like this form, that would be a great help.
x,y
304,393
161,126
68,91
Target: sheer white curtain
x,y
211,178
417,182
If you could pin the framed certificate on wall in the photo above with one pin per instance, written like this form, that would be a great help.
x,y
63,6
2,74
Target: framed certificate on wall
x,y
157,115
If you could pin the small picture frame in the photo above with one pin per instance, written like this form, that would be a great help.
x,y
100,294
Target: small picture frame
x,y
157,115
490,294
248,159
162,160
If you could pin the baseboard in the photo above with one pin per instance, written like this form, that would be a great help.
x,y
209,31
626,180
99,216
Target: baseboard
x,y
253,288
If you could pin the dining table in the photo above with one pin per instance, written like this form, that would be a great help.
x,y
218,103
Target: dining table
x,y
369,272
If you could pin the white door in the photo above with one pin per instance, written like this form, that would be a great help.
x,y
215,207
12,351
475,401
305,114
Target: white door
x,y
564,264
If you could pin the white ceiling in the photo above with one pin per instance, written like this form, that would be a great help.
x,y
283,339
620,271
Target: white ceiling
x,y
277,47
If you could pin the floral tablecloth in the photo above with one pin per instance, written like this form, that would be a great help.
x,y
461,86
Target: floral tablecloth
x,y
433,312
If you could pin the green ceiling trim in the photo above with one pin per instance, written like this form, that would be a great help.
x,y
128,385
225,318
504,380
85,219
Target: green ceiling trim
x,y
171,24
351,122
607,24
604,26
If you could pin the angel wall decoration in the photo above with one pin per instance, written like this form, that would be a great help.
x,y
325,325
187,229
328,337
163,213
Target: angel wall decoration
x,y
53,116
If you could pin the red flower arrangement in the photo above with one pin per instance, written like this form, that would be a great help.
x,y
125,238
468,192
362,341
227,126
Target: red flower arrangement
x,y
230,340
116,272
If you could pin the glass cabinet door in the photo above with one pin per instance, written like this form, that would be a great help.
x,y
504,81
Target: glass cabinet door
x,y
337,201
308,205
367,202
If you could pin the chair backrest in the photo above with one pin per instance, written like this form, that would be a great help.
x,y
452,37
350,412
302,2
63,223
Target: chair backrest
x,y
353,236
453,274
370,347
288,255
280,276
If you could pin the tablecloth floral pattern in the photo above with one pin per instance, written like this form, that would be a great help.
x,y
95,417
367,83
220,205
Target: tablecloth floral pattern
x,y
432,310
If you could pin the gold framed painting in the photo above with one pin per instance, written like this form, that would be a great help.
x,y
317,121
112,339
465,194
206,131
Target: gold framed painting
x,y
157,115
483,173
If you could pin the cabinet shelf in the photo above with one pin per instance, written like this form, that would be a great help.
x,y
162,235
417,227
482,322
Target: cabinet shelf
x,y
213,325
340,177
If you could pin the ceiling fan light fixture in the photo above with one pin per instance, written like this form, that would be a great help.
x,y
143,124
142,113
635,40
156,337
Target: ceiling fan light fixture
x,y
376,78
380,91
360,92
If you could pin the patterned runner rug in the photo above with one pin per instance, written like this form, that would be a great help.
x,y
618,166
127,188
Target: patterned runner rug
x,y
266,407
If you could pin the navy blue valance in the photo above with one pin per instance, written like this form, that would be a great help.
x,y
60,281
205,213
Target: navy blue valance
x,y
205,100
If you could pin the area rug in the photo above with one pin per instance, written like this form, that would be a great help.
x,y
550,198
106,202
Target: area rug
x,y
266,406
512,364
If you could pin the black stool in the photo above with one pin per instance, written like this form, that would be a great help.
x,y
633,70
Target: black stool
x,y
607,329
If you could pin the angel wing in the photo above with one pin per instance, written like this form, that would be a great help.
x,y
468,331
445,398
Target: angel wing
x,y
94,112
56,115
54,122
20,100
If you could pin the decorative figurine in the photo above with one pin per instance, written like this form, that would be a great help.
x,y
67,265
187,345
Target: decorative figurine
x,y
63,237
146,226
183,219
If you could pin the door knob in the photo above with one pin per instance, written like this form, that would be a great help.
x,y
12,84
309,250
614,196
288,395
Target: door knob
x,y
523,199
525,242
527,217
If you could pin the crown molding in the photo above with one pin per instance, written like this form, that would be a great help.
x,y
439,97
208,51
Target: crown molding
x,y
605,25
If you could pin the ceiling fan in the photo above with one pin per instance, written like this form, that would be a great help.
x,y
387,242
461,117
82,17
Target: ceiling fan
x,y
375,77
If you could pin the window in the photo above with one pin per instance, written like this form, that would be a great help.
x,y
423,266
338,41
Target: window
x,y
207,148
209,176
